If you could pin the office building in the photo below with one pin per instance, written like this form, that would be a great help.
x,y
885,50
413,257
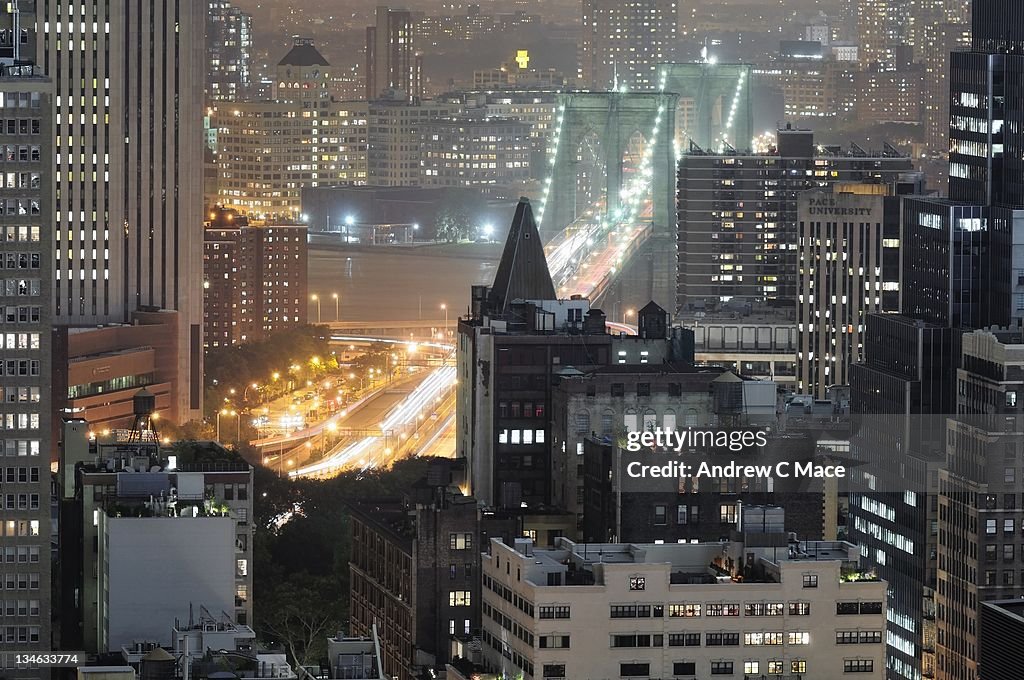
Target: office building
x,y
394,142
228,52
393,63
269,151
26,300
148,532
97,371
254,279
517,338
849,267
738,215
979,522
623,42
1000,639
681,611
475,152
128,186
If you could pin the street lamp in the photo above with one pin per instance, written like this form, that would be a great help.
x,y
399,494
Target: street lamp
x,y
245,394
222,412
337,306
445,308
316,298
627,313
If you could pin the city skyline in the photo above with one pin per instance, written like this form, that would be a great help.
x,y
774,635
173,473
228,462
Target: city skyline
x,y
512,339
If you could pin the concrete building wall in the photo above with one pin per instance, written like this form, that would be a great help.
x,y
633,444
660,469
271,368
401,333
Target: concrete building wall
x,y
592,615
128,191
156,568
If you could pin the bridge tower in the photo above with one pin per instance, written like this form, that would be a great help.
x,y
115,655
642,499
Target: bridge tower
x,y
716,99
613,118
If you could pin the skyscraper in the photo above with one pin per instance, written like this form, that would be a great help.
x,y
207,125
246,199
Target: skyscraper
x,y
228,52
392,62
623,42
128,95
26,268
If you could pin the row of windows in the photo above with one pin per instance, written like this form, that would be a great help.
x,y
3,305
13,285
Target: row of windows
x,y
692,610
20,314
20,634
20,447
19,395
19,607
19,421
19,260
20,581
20,501
16,234
507,594
20,475
19,528
22,554
20,287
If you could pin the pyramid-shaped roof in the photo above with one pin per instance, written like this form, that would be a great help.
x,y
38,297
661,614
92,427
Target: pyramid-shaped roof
x,y
303,53
523,271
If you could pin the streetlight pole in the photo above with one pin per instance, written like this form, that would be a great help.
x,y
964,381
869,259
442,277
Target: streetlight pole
x,y
316,299
445,308
219,414
337,306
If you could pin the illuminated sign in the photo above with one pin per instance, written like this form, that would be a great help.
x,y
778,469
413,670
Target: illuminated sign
x,y
523,59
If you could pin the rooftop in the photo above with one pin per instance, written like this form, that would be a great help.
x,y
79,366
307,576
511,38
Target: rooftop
x,y
303,53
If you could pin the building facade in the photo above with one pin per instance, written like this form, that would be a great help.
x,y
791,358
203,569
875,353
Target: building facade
x,y
475,152
255,279
623,42
128,114
394,142
26,300
228,52
661,611
849,267
392,60
415,576
979,525
181,512
269,151
517,338
738,215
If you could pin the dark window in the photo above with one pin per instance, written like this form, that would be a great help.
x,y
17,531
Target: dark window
x,y
684,668
847,608
721,668
554,670
631,670
643,389
618,390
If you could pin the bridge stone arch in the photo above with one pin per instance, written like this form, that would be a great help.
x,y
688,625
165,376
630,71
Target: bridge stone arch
x,y
707,84
613,117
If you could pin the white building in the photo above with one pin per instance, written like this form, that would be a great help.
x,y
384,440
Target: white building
x,y
688,611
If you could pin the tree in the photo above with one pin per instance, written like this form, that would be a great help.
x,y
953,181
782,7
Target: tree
x,y
300,613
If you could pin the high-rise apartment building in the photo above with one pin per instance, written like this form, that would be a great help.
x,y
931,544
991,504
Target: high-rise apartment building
x,y
464,151
394,140
254,279
26,303
128,95
228,52
623,42
268,151
392,62
738,215
880,27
